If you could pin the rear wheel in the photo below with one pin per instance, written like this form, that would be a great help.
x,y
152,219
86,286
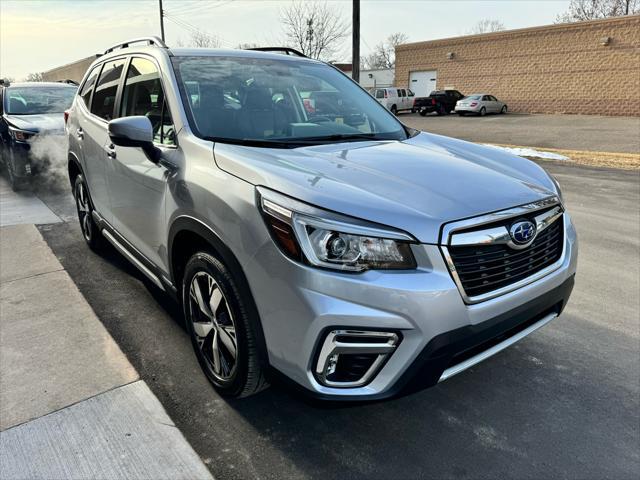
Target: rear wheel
x,y
423,113
394,109
483,112
88,226
222,335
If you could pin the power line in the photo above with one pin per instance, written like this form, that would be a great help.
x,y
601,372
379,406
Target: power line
x,y
195,30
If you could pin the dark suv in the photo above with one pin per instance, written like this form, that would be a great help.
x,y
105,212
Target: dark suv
x,y
29,111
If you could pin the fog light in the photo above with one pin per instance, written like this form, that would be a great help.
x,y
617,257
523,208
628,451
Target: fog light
x,y
352,358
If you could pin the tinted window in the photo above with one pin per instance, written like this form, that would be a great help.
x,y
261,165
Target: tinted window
x,y
104,98
404,92
87,88
279,102
380,94
492,98
143,95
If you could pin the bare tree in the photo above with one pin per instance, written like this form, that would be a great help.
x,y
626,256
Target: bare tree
x,y
313,28
581,10
200,40
486,26
35,77
384,54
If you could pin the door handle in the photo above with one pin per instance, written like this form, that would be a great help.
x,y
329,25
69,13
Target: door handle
x,y
80,133
111,151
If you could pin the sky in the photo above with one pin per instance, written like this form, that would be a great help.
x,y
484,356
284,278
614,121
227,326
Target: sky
x,y
36,35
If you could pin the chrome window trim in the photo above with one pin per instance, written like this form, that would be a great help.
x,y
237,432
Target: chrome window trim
x,y
492,236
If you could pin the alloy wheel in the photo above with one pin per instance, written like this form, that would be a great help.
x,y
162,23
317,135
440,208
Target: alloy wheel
x,y
213,326
84,210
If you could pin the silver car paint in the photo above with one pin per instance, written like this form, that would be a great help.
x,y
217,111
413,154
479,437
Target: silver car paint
x,y
414,185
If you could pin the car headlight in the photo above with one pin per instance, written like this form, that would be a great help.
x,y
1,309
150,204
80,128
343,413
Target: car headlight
x,y
329,240
20,135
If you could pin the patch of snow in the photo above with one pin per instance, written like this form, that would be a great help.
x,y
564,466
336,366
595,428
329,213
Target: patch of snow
x,y
529,152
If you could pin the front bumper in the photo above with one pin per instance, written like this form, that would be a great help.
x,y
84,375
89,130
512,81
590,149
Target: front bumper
x,y
299,305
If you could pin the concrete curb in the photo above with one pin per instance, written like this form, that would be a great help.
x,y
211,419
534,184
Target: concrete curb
x,y
71,404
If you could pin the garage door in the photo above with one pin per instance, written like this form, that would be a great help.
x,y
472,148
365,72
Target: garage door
x,y
423,83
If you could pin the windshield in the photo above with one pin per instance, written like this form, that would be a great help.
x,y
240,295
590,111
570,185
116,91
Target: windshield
x,y
38,100
281,103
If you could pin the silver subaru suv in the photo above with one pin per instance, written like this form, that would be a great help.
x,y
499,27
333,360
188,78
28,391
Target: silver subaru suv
x,y
307,233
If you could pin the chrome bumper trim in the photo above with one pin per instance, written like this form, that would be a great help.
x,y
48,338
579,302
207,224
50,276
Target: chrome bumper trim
x,y
470,362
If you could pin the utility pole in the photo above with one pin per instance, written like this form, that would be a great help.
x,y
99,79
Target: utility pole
x,y
161,21
355,47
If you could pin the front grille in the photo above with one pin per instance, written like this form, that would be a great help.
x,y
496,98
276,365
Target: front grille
x,y
485,268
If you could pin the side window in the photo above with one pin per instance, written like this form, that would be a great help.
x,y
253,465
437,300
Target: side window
x,y
485,98
398,93
404,92
87,88
379,93
104,98
492,98
410,93
143,95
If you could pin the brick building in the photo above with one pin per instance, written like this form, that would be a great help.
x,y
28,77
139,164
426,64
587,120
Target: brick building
x,y
586,67
72,71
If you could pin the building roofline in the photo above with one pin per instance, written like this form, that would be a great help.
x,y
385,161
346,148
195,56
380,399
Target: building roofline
x,y
517,31
92,57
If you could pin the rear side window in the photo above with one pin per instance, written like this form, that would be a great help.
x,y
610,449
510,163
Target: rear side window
x,y
143,95
104,98
89,84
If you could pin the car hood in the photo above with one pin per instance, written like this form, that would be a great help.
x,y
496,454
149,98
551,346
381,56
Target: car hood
x,y
415,185
52,123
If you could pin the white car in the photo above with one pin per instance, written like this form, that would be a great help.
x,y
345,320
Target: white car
x,y
480,104
395,99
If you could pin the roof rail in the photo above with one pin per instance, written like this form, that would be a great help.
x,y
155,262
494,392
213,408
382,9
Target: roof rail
x,y
150,41
283,50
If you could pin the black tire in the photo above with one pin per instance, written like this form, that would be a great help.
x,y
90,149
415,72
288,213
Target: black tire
x,y
17,183
442,110
504,110
462,114
423,113
483,112
246,376
394,110
84,206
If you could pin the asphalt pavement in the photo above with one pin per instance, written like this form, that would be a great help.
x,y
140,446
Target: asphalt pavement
x,y
562,403
568,132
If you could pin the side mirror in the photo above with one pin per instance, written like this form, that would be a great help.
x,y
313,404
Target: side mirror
x,y
134,132
131,132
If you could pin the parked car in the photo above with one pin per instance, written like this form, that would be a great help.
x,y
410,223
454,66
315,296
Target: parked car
x,y
440,101
339,256
395,99
480,104
28,111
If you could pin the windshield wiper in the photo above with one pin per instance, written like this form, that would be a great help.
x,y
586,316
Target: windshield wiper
x,y
337,137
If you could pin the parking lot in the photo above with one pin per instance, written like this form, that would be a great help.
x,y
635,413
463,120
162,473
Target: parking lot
x,y
562,403
575,132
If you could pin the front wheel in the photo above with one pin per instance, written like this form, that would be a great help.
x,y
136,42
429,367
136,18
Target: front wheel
x,y
483,112
504,110
217,317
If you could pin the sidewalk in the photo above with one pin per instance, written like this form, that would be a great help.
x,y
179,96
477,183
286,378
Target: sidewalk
x,y
71,404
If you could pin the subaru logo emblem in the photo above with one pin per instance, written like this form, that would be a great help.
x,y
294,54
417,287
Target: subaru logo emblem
x,y
523,232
